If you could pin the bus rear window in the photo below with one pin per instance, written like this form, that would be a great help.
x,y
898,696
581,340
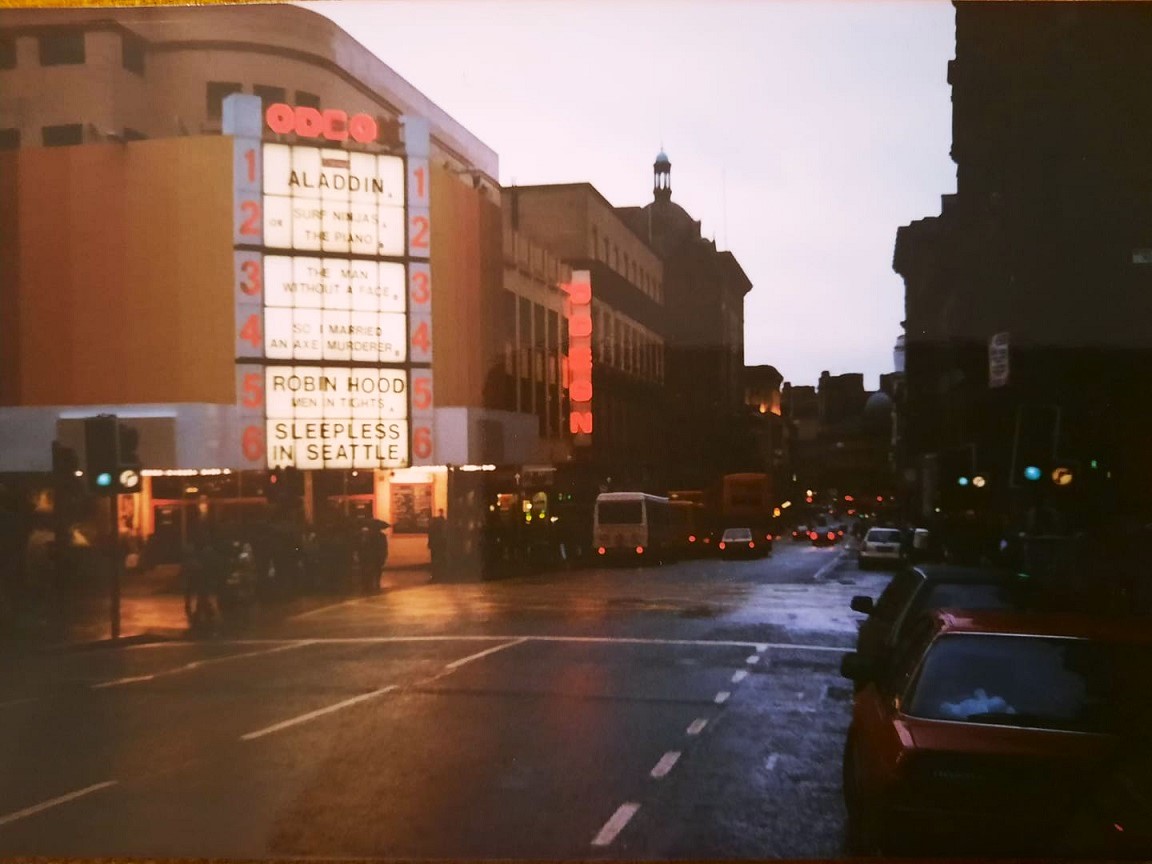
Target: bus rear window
x,y
620,512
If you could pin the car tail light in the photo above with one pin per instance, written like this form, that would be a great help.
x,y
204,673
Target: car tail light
x,y
639,550
721,544
751,545
811,535
840,533
691,538
601,550
831,536
707,539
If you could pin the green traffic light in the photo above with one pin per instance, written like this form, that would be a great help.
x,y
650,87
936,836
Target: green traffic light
x,y
103,479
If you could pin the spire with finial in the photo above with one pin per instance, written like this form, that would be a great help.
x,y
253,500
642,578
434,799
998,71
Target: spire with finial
x,y
662,176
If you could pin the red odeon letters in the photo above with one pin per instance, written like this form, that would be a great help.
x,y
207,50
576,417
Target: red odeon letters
x,y
330,124
579,360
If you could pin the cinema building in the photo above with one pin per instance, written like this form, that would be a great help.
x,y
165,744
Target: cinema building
x,y
252,241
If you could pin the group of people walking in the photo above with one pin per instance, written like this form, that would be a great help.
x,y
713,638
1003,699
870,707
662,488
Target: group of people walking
x,y
229,575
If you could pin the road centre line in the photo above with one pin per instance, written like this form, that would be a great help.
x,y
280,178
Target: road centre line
x,y
607,640
666,763
615,825
363,697
827,568
456,664
63,799
722,697
320,712
330,606
196,664
697,726
23,701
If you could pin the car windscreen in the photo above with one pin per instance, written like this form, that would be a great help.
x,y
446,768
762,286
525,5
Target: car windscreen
x,y
883,536
620,512
1031,681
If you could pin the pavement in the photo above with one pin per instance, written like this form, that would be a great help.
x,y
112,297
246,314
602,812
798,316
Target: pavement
x,y
679,712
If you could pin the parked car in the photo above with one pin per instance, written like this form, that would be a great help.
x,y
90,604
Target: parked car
x,y
800,532
916,590
998,733
883,546
739,543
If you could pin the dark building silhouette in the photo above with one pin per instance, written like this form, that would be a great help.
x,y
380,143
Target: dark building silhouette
x,y
1047,240
704,289
839,439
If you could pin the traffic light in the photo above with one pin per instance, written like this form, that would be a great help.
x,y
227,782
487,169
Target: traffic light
x,y
102,453
112,464
128,477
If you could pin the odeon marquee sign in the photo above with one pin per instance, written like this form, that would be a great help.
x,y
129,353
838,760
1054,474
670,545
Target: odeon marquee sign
x,y
333,291
330,124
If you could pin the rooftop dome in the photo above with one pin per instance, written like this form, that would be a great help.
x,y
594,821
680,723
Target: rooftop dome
x,y
662,159
878,411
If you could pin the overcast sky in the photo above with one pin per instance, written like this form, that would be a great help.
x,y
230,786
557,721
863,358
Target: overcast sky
x,y
801,134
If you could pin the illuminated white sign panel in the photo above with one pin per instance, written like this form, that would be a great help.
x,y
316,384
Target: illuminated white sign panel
x,y
336,417
334,309
313,226
333,201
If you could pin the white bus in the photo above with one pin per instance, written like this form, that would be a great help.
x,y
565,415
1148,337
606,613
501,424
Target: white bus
x,y
631,524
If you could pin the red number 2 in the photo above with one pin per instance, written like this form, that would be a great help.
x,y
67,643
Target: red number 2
x,y
420,237
250,226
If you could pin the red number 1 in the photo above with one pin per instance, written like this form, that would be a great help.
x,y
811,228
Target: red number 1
x,y
250,155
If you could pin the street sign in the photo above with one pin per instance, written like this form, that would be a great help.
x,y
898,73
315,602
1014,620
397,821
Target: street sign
x,y
998,360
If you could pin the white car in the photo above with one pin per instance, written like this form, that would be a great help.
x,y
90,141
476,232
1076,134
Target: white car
x,y
881,546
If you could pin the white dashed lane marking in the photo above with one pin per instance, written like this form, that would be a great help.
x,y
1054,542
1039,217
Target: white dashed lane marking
x,y
697,726
616,824
753,660
63,799
739,676
722,697
666,763
771,764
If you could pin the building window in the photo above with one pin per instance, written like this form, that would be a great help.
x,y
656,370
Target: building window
x,y
63,136
134,135
307,100
7,53
132,54
216,92
62,49
269,95
9,139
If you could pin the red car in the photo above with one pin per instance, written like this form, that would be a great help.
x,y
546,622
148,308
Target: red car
x,y
1001,733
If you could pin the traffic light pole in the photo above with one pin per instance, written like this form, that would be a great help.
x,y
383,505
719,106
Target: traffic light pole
x,y
114,583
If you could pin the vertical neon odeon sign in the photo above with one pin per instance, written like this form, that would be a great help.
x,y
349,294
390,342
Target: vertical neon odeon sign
x,y
578,311
333,291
